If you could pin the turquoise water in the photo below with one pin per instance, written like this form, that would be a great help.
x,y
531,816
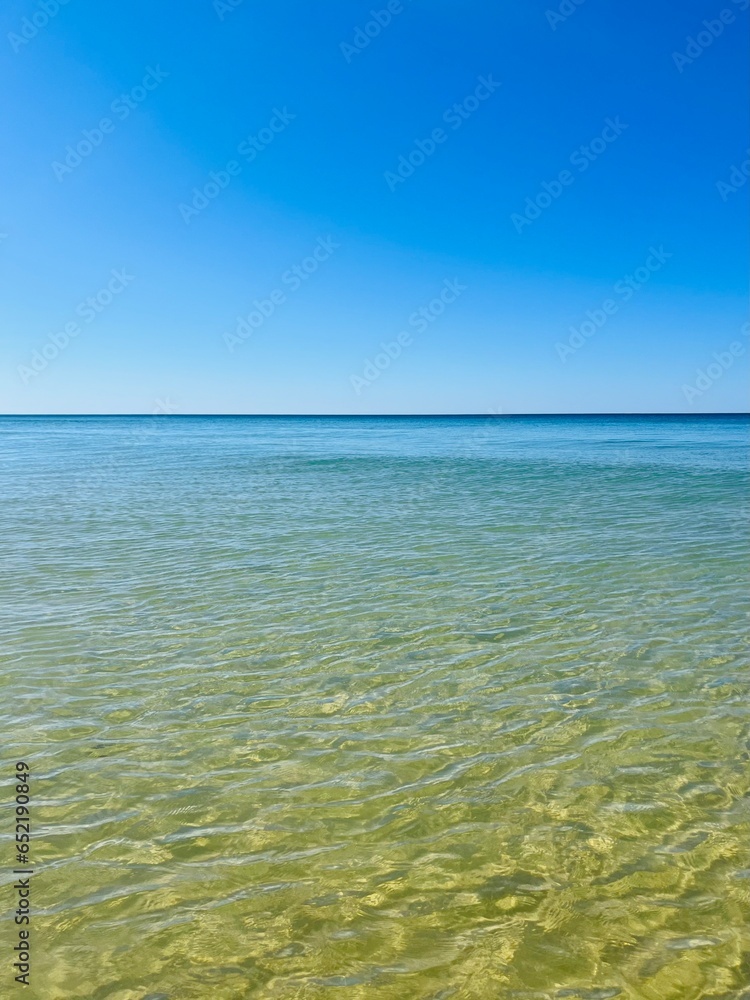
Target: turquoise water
x,y
380,708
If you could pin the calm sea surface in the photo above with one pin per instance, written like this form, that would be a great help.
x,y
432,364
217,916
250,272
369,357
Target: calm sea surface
x,y
380,709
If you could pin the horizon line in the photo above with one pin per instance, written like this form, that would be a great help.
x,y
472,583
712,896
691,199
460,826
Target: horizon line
x,y
384,416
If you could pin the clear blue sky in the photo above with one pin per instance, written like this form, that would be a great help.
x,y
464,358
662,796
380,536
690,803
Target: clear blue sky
x,y
305,121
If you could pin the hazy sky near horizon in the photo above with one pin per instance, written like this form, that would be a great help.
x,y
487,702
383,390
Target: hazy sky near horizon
x,y
345,207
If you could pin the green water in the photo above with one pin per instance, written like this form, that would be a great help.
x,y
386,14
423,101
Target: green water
x,y
379,709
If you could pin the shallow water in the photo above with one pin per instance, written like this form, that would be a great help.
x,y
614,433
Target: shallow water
x,y
380,709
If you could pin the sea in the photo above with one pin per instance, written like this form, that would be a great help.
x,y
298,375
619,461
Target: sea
x,y
441,708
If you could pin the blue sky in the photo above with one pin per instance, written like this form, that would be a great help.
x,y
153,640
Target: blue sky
x,y
567,232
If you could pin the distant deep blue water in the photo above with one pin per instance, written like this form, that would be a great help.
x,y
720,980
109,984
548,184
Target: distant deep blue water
x,y
381,708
